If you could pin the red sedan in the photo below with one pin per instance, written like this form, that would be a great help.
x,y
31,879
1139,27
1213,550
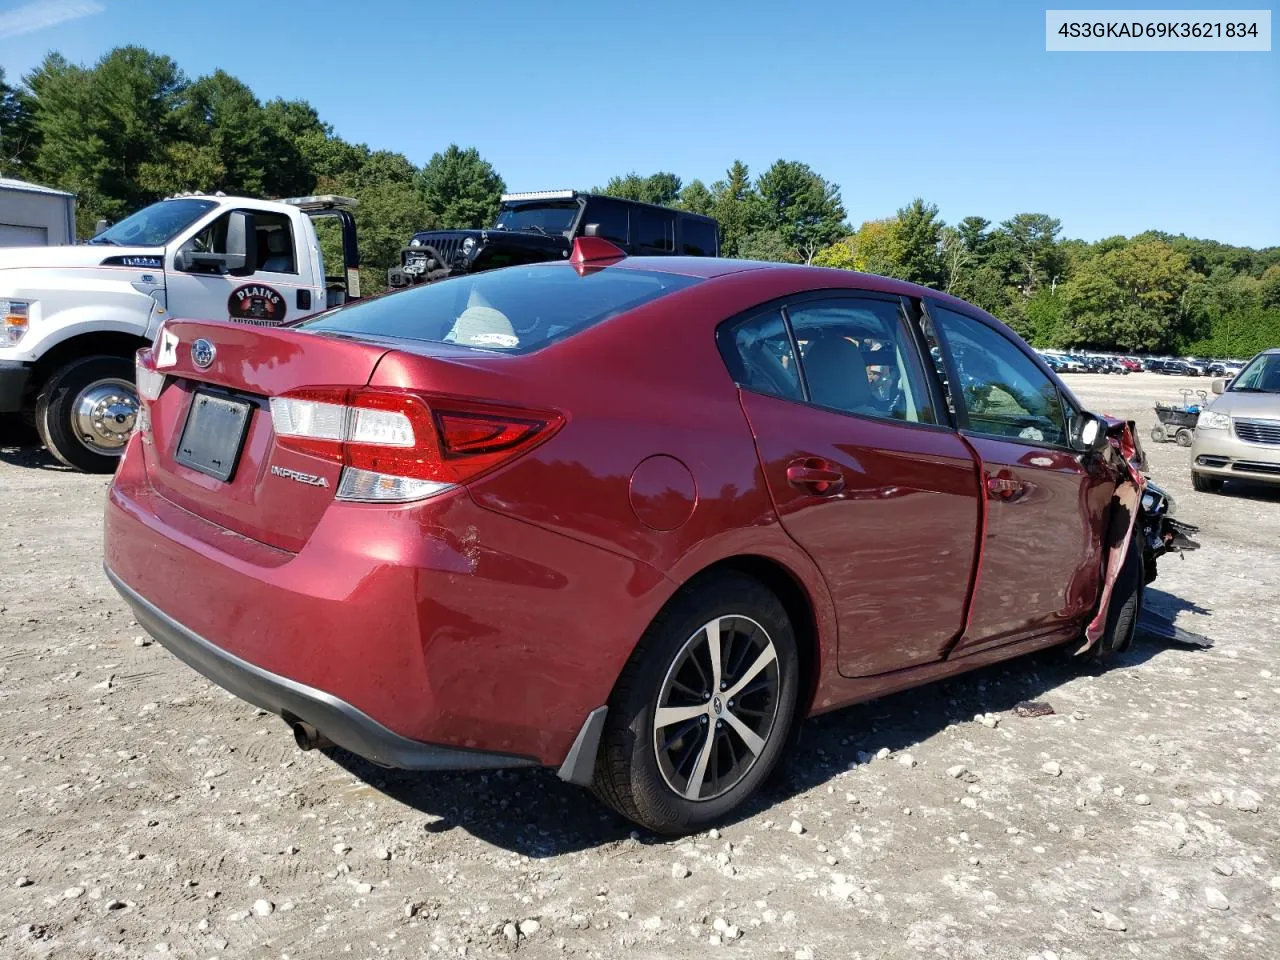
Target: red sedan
x,y
629,518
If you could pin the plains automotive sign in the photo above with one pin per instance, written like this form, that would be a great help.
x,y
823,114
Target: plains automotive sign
x,y
256,303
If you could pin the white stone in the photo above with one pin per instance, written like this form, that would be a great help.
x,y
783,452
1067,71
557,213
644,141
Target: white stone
x,y
263,908
1142,800
679,871
529,927
71,893
364,888
796,827
1052,768
907,760
511,932
382,853
341,848
1215,899
882,753
1112,922
958,771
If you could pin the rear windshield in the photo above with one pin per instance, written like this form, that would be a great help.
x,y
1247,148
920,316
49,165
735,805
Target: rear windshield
x,y
513,310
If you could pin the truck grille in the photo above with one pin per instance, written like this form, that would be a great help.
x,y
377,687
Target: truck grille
x,y
447,246
1258,431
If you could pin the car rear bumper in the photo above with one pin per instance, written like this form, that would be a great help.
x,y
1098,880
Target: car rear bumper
x,y
14,377
1220,453
425,633
338,720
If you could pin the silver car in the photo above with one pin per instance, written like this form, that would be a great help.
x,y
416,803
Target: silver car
x,y
1238,435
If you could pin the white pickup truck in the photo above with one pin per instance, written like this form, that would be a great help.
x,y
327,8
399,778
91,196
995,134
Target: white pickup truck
x,y
74,316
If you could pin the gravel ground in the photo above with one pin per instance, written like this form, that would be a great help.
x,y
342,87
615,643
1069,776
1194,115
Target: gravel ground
x,y
147,812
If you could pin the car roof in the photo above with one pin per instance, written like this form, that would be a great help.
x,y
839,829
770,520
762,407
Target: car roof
x,y
708,268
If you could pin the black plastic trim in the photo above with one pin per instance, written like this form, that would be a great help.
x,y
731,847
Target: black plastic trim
x,y
14,377
335,719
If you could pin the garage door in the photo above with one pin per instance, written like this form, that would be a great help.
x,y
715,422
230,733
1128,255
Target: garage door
x,y
12,235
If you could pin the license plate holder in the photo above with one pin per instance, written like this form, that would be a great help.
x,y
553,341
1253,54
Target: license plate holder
x,y
213,434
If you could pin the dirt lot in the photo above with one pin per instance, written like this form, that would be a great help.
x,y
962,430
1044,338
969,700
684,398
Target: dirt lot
x,y
147,812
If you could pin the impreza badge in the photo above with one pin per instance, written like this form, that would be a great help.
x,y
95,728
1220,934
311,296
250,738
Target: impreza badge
x,y
307,478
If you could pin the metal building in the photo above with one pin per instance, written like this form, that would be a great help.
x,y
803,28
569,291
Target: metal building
x,y
35,216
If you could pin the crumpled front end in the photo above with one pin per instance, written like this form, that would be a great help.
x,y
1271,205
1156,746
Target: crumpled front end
x,y
1139,508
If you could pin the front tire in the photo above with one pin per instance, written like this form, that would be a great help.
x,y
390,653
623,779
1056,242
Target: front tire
x,y
85,412
1206,484
703,710
1126,603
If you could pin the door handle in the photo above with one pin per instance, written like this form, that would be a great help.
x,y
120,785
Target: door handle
x,y
1004,487
815,475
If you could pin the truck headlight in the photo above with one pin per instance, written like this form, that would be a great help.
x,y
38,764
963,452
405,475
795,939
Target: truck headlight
x,y
468,245
17,314
1213,421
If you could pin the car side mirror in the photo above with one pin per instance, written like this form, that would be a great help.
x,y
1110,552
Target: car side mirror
x,y
241,249
1088,433
1219,385
591,230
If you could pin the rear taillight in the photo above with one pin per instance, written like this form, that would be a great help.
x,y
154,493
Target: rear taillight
x,y
396,446
149,382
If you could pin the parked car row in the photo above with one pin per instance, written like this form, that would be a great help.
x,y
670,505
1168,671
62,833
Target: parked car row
x,y
1062,362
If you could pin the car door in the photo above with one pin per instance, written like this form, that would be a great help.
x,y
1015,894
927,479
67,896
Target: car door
x,y
865,472
1045,504
266,292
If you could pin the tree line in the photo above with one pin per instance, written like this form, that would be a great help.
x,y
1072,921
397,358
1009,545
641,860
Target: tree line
x,y
133,128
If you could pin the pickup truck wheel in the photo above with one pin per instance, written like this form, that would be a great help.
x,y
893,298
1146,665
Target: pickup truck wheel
x,y
85,412
704,709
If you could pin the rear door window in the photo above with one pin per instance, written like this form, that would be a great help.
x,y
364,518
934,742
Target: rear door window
x,y
759,355
858,357
514,310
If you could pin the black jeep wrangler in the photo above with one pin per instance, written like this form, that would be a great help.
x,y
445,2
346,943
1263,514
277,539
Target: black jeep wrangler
x,y
533,227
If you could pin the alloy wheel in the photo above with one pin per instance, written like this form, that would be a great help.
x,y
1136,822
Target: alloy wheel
x,y
717,707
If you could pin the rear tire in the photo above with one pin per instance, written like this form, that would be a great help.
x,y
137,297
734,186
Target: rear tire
x,y
1206,484
695,768
84,413
1158,434
1184,436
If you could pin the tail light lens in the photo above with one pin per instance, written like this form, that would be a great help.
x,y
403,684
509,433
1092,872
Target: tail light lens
x,y
396,446
149,382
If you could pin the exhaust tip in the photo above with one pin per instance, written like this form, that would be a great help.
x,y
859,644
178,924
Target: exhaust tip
x,y
308,737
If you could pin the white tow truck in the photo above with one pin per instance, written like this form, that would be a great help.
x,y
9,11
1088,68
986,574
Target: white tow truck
x,y
74,316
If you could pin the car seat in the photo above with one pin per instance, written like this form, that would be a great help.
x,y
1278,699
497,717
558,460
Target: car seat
x,y
837,375
279,257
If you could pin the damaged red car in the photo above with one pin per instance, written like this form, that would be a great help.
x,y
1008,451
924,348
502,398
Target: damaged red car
x,y
632,519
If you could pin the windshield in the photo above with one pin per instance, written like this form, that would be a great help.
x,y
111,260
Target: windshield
x,y
546,218
156,225
513,310
1262,375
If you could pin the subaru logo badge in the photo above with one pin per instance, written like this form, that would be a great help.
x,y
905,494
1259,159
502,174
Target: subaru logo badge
x,y
202,354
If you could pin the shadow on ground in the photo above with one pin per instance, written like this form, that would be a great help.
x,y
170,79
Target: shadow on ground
x,y
532,812
21,447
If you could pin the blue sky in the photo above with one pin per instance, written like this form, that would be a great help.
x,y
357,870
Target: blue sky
x,y
955,102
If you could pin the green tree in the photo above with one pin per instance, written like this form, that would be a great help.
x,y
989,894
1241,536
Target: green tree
x,y
734,206
802,207
1025,249
1129,297
918,238
460,188
872,248
17,129
696,198
99,127
766,245
661,188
